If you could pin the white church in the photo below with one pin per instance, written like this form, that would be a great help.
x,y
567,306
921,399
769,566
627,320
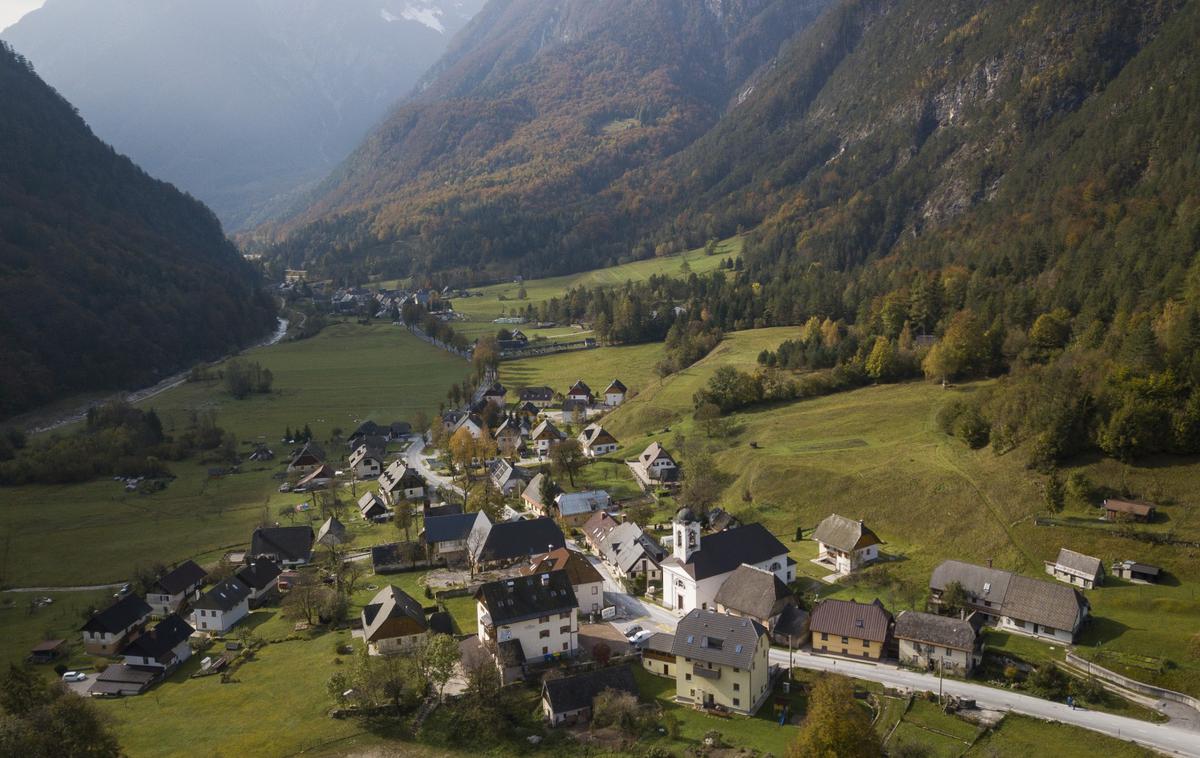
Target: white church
x,y
699,564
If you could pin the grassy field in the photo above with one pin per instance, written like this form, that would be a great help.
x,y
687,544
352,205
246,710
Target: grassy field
x,y
345,375
876,454
502,299
632,364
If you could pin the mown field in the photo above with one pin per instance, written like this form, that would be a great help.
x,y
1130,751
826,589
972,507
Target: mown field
x,y
503,299
877,454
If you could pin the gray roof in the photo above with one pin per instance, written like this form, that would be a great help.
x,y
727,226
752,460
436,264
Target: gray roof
x,y
370,505
846,618
226,596
574,693
845,534
332,532
546,430
508,601
625,544
1050,604
518,539
181,578
717,638
533,492
1084,564
450,528
660,642
946,631
575,503
724,551
258,575
283,543
754,592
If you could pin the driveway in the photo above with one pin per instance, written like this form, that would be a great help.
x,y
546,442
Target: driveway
x,y
1169,738
631,610
414,458
81,688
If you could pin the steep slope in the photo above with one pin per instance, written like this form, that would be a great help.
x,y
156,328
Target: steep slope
x,y
107,277
237,101
538,107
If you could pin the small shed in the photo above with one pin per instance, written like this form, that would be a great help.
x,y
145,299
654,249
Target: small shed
x,y
47,651
1128,510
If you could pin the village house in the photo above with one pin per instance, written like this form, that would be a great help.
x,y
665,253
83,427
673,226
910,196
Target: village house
x,y
332,533
498,545
317,479
286,545
393,622
307,460
120,680
528,412
366,462
941,643
1076,568
451,419
844,544
536,615
494,393
171,590
445,537
1133,571
575,508
568,700
1128,510
654,468
1013,603
507,478
539,397
107,631
372,507
722,661
586,581
399,482
698,567
581,393
219,609
394,557
474,425
845,627
532,495
615,393
628,551
509,438
444,509
165,646
261,578
755,593
657,657
544,437
596,442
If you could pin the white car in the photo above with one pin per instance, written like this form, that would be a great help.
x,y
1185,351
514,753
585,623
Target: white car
x,y
74,676
640,638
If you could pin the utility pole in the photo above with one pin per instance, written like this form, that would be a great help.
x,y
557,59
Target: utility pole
x,y
941,671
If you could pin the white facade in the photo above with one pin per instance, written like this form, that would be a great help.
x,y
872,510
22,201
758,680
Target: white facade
x,y
556,634
1031,629
846,562
182,652
164,605
217,621
613,399
369,467
590,596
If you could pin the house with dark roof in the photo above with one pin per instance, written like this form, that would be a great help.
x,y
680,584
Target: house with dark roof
x,y
537,615
539,397
165,646
445,537
1136,572
445,509
755,593
261,577
624,547
506,477
654,468
494,393
845,544
510,438
544,437
221,607
581,392
573,411
586,580
939,643
399,482
107,631
568,700
393,622
393,557
366,461
597,442
657,657
722,662
307,459
120,680
1076,569
332,533
846,627
172,589
1013,603
532,496
700,564
286,545
497,545
615,393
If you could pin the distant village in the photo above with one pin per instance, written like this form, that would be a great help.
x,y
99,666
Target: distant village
x,y
568,590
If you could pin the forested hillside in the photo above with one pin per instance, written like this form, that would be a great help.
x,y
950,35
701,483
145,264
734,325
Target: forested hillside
x,y
107,276
538,108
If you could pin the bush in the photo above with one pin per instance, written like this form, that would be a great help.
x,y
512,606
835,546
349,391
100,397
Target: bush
x,y
973,429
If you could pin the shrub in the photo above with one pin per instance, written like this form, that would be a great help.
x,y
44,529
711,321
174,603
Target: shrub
x,y
973,429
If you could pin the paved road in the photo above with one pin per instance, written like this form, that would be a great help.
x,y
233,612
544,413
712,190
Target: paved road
x,y
632,610
1169,738
413,458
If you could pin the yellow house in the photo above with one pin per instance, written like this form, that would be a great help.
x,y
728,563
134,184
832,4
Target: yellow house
x,y
844,627
721,661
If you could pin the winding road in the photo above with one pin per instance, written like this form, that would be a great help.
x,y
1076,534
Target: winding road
x,y
414,459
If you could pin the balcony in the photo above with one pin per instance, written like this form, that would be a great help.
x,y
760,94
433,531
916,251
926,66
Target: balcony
x,y
705,673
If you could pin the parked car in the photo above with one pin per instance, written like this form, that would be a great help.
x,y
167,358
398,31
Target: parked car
x,y
640,638
285,487
632,631
74,676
